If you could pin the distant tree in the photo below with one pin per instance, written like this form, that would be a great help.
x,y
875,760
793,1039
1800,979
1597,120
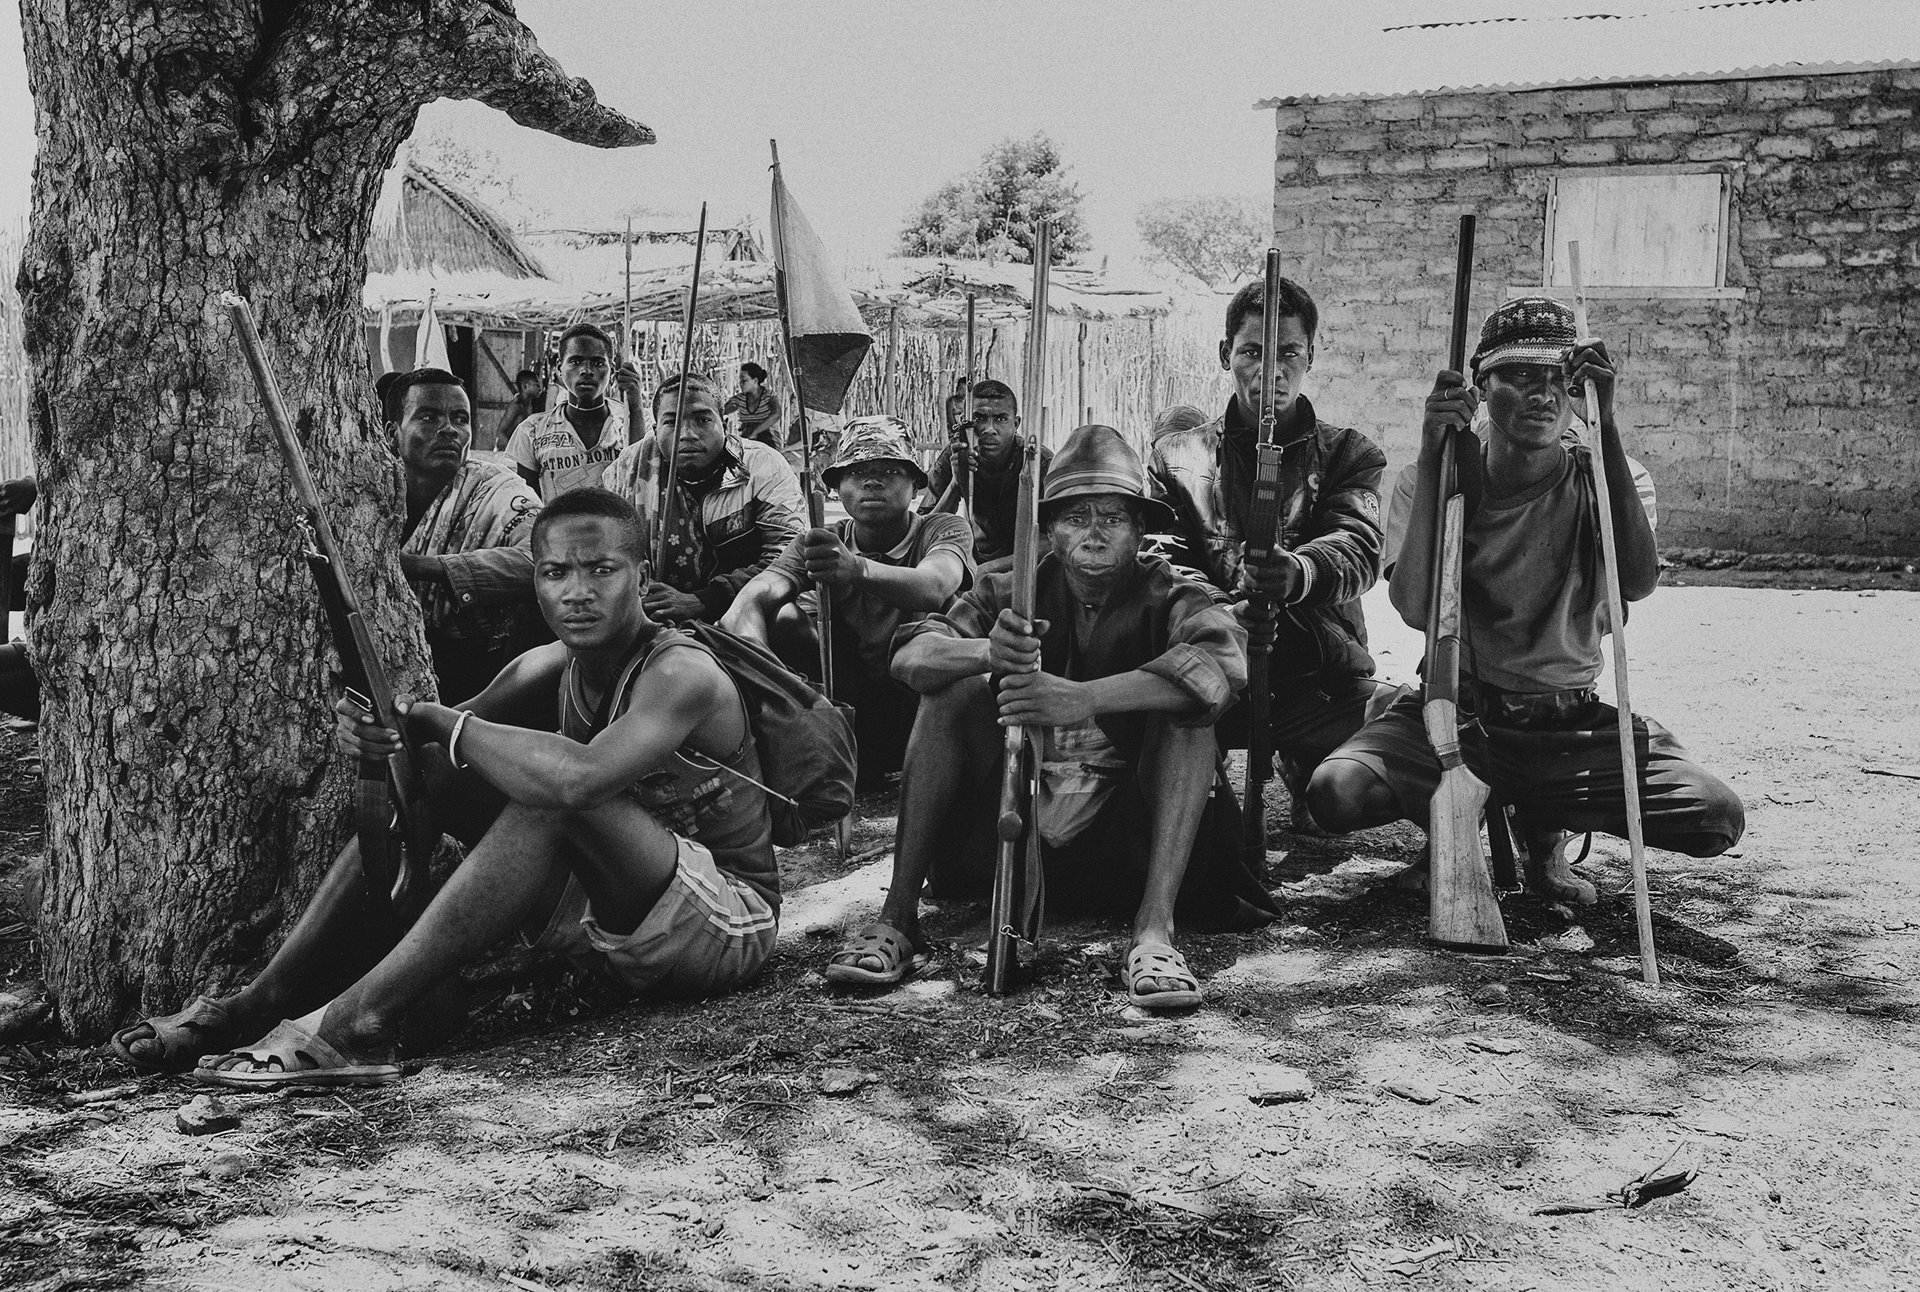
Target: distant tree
x,y
1216,238
481,174
990,212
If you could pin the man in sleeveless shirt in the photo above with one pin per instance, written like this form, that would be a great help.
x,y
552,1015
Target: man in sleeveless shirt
x,y
635,840
1533,613
570,444
885,566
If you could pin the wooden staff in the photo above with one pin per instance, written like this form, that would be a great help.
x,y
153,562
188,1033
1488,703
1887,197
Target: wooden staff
x,y
1616,611
1462,910
626,304
964,478
670,478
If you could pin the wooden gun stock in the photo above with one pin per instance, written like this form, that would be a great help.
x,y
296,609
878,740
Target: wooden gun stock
x,y
1462,909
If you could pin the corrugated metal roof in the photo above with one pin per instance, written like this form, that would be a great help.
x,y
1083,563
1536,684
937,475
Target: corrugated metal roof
x,y
1727,40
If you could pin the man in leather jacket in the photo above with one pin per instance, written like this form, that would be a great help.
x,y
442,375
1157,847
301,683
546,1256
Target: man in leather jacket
x,y
1321,675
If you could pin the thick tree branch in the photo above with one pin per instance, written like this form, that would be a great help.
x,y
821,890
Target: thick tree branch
x,y
502,65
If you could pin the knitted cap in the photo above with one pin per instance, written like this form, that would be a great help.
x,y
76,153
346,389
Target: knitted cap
x,y
873,439
1097,460
1532,329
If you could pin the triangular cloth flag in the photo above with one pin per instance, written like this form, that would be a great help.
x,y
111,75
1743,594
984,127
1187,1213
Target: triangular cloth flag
x,y
829,338
430,340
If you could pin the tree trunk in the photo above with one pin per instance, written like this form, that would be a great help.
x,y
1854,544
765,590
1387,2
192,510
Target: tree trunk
x,y
193,797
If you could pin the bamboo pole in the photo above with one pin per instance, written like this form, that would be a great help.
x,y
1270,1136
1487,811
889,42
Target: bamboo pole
x,y
1616,611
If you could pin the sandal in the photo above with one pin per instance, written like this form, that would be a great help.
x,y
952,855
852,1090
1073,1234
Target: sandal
x,y
897,956
183,1037
290,1055
1158,960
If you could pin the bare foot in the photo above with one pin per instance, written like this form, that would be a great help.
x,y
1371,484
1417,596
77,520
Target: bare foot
x,y
1550,875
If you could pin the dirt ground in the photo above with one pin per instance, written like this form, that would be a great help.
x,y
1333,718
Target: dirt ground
x,y
931,1136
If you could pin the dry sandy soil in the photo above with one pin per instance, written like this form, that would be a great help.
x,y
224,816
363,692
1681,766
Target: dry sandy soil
x,y
1053,1140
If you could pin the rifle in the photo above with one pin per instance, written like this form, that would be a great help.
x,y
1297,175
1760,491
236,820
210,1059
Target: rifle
x,y
669,479
1263,536
1462,910
393,821
626,300
810,484
961,480
1013,915
1616,610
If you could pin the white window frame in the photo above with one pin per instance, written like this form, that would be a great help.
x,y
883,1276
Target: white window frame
x,y
1718,291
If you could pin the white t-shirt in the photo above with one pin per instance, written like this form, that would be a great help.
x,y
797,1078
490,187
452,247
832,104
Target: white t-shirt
x,y
546,443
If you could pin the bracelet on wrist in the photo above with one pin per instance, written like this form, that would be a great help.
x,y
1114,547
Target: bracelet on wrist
x,y
453,740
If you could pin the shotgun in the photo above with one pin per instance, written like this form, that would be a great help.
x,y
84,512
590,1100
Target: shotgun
x,y
1616,611
1263,536
393,821
1014,911
669,479
1462,911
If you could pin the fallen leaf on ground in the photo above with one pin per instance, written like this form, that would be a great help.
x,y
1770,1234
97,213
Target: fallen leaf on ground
x,y
1418,1092
205,1115
1493,1045
844,1081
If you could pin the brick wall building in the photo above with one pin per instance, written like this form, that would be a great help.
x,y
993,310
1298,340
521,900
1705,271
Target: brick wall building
x,y
1756,238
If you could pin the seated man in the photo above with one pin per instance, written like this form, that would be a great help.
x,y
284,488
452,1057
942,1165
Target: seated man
x,y
1533,611
1321,686
1127,666
464,547
994,460
19,685
569,445
737,503
884,567
635,840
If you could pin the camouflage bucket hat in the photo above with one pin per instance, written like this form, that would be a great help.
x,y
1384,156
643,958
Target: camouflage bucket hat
x,y
1532,329
873,439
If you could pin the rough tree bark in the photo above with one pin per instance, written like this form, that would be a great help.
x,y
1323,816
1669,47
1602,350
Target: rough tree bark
x,y
184,149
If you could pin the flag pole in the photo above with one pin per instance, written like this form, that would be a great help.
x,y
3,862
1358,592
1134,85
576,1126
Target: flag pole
x,y
670,479
809,480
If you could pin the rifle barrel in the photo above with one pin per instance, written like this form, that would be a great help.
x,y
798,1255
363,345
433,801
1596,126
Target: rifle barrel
x,y
670,481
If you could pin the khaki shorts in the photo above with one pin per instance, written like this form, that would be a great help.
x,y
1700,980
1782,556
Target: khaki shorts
x,y
708,933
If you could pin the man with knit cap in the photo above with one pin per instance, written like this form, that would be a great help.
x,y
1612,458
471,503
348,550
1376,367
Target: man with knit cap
x,y
1533,613
1321,686
884,567
1125,667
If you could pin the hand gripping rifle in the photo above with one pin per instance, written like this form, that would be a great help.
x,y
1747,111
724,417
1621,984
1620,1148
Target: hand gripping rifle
x,y
1616,612
1263,536
1013,915
1462,911
393,822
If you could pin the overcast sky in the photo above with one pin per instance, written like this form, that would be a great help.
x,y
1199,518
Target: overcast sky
x,y
877,102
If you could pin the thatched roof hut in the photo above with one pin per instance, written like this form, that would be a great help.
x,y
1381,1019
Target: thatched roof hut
x,y
424,223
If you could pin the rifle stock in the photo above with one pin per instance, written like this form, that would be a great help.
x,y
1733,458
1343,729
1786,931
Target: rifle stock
x,y
1462,910
1014,911
394,823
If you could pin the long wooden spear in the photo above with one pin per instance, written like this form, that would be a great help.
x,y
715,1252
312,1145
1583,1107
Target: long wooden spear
x,y
1616,611
669,479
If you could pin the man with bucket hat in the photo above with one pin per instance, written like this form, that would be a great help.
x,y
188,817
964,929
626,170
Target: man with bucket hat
x,y
884,565
1127,665
1534,610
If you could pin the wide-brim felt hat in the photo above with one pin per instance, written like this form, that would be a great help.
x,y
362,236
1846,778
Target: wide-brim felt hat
x,y
873,439
1530,329
1098,460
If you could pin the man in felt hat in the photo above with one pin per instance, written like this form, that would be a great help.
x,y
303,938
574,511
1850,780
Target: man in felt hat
x,y
1534,610
1320,679
994,458
736,502
884,567
1126,665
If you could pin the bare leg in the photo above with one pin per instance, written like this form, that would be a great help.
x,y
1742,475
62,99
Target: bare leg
x,y
1176,771
955,731
623,858
1345,795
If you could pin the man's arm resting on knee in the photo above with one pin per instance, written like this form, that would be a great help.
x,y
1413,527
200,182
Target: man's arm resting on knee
x,y
751,614
544,769
931,661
